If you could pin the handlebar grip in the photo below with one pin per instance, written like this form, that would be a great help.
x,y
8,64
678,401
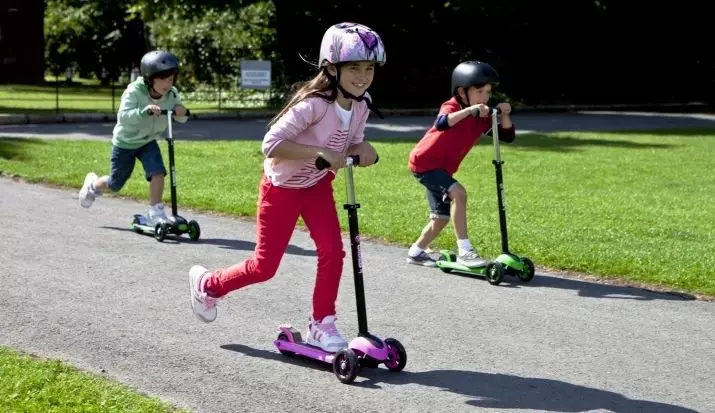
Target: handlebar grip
x,y
321,163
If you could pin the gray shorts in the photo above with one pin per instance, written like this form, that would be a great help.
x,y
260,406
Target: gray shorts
x,y
123,160
437,184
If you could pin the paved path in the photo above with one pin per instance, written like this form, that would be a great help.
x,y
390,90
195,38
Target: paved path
x,y
78,285
393,127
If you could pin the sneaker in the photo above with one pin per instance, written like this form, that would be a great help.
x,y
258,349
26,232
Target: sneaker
x,y
204,306
422,259
324,334
155,214
86,195
471,259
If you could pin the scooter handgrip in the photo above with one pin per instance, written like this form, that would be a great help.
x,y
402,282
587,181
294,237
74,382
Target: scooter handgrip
x,y
377,158
321,163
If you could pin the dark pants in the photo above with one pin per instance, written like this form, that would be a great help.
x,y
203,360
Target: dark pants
x,y
123,160
437,184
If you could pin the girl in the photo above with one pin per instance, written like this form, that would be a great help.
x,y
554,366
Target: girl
x,y
138,126
325,118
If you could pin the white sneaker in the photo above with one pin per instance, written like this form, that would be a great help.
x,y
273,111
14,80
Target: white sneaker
x,y
86,195
155,214
471,259
324,334
204,307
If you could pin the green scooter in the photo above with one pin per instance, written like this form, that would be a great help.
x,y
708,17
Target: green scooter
x,y
507,263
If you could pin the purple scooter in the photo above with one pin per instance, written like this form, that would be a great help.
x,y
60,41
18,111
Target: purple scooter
x,y
366,350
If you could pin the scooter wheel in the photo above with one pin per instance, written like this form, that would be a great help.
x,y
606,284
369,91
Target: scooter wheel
x,y
160,231
194,230
397,355
135,225
284,337
495,272
345,365
527,274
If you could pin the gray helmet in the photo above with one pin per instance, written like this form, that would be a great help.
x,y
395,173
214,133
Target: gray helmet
x,y
158,61
473,73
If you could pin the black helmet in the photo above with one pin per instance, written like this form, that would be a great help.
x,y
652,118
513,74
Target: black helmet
x,y
473,73
156,62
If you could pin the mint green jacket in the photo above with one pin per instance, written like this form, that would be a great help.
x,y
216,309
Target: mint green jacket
x,y
135,128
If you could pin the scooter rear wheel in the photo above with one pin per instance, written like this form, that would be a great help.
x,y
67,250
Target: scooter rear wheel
x,y
494,272
345,365
160,231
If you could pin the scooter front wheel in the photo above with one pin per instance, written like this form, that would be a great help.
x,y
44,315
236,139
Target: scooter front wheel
x,y
194,230
397,355
527,274
345,365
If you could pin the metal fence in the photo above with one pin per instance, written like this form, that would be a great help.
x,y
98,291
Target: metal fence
x,y
68,94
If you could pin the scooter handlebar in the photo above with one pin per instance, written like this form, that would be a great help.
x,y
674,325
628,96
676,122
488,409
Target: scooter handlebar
x,y
321,163
166,112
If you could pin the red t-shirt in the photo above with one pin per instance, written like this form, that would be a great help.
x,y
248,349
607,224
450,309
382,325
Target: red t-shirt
x,y
446,149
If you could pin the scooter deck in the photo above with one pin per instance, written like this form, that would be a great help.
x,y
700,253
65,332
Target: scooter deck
x,y
304,349
174,228
454,267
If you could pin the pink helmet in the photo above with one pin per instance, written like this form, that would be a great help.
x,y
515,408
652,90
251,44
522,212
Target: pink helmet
x,y
350,42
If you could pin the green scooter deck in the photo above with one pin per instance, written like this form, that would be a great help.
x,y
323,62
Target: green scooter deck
x,y
493,270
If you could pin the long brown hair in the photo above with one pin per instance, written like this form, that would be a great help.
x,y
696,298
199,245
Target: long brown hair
x,y
316,87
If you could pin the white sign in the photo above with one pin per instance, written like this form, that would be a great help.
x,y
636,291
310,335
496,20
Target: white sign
x,y
255,74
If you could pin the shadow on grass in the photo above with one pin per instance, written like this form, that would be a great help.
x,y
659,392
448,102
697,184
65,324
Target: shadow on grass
x,y
544,142
488,390
675,133
17,149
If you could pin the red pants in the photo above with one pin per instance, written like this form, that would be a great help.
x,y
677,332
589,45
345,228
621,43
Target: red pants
x,y
277,215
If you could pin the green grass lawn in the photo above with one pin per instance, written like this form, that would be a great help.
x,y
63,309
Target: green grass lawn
x,y
83,97
31,385
630,206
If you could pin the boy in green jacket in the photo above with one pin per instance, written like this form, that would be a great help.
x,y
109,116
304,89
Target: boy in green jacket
x,y
139,125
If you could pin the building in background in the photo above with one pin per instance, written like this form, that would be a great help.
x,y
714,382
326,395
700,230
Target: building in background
x,y
22,41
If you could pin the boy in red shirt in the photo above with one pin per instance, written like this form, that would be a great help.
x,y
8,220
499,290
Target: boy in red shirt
x,y
462,120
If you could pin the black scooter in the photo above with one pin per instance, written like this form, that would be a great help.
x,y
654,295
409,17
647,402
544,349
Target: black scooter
x,y
175,224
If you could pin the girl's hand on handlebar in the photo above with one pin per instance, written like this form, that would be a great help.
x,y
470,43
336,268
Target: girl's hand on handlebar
x,y
480,110
179,110
154,109
335,159
505,108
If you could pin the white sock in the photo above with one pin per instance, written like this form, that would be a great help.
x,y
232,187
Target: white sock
x,y
463,245
94,190
414,250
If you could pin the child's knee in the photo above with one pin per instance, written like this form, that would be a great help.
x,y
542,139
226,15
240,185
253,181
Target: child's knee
x,y
117,179
458,194
332,250
439,222
264,269
156,176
